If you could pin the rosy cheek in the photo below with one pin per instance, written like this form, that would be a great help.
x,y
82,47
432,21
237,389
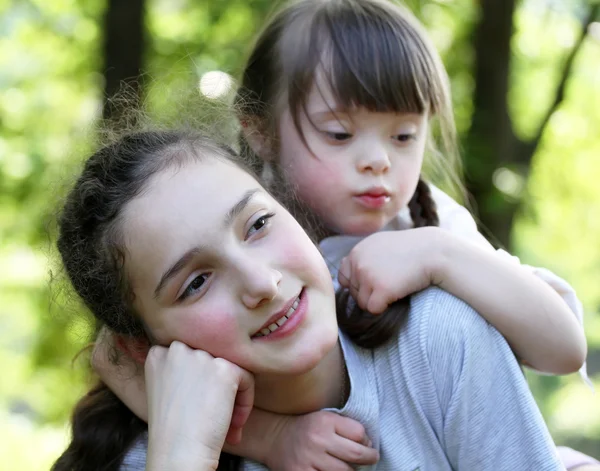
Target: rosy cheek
x,y
212,332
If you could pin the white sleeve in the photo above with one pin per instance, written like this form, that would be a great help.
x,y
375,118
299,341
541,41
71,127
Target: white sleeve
x,y
458,220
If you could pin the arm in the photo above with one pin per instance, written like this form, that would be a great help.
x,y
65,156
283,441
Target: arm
x,y
534,319
458,220
192,437
490,419
321,440
537,323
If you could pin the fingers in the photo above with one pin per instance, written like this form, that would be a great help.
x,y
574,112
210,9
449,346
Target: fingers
x,y
244,399
350,429
344,272
351,444
365,293
331,463
350,451
377,302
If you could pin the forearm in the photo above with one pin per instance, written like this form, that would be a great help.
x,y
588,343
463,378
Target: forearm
x,y
160,459
258,436
126,380
534,319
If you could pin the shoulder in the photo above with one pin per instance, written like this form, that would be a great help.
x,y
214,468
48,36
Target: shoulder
x,y
451,332
442,314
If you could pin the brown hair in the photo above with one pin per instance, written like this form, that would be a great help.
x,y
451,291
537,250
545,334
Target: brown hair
x,y
373,53
92,250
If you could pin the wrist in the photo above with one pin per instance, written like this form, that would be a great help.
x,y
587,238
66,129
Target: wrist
x,y
442,250
259,437
276,441
172,459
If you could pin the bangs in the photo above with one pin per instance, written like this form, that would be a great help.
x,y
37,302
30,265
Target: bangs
x,y
371,56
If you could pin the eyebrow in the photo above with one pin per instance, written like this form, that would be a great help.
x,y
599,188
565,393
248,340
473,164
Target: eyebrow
x,y
190,254
239,207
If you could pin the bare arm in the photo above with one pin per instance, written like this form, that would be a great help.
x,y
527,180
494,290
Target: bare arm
x,y
321,440
534,319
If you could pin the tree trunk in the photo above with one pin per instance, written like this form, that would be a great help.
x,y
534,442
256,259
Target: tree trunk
x,y
490,141
123,56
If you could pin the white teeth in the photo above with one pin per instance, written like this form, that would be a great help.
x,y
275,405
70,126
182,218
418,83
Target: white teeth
x,y
279,322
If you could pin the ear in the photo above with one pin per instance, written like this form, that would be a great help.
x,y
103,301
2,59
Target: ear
x,y
256,134
136,348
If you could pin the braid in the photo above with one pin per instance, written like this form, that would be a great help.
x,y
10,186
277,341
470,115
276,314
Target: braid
x,y
423,211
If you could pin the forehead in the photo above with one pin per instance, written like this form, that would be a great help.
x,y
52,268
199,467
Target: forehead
x,y
182,207
321,93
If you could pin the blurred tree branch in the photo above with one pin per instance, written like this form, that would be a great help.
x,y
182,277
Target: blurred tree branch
x,y
491,142
528,148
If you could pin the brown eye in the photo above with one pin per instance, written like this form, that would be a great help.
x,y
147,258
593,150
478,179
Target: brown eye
x,y
194,286
405,137
259,224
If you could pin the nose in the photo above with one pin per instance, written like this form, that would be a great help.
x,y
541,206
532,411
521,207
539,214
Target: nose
x,y
374,159
259,283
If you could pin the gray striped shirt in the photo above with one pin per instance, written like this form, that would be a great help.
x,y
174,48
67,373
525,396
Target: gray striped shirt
x,y
446,394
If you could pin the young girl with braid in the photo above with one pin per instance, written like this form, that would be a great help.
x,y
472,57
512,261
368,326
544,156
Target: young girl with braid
x,y
339,103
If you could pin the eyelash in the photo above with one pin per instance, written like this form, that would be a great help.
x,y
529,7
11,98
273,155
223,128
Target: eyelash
x,y
344,136
338,136
405,137
189,290
265,218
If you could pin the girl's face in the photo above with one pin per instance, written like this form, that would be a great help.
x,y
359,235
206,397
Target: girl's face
x,y
216,263
358,168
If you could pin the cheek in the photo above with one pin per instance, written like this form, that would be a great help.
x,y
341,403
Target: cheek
x,y
213,330
315,181
300,256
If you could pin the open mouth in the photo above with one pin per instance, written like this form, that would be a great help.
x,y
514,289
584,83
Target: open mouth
x,y
275,325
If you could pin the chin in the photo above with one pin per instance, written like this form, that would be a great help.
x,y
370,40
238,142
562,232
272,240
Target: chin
x,y
309,353
364,226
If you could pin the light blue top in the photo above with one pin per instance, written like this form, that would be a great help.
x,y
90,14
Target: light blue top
x,y
445,394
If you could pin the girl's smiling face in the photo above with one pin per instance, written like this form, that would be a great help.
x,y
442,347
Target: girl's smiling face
x,y
216,263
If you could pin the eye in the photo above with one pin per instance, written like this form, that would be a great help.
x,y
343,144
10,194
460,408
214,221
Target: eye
x,y
259,224
404,137
338,136
195,286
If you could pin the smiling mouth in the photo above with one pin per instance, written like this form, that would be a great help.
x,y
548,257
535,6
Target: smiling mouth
x,y
279,322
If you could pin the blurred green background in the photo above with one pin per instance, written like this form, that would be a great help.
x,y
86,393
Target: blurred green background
x,y
526,83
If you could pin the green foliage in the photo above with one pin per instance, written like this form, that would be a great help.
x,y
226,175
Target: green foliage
x,y
50,94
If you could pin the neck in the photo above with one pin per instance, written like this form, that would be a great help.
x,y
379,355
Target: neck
x,y
321,387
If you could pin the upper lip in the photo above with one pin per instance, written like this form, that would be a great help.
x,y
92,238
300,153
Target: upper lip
x,y
375,191
279,314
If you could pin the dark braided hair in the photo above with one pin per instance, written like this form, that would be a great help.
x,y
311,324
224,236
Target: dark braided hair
x,y
423,211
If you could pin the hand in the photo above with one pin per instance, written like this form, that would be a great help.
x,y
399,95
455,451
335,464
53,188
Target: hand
x,y
127,380
388,266
320,441
193,400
